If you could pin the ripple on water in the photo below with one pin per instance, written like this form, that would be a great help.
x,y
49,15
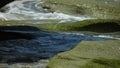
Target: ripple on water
x,y
45,45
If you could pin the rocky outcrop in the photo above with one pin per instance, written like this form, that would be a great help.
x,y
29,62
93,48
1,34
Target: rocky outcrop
x,y
4,2
96,54
104,9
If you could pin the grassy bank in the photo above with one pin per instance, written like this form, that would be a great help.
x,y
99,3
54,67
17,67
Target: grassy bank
x,y
25,22
104,9
96,54
93,25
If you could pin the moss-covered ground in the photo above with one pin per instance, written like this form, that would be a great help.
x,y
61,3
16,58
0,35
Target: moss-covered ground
x,y
96,54
26,22
104,9
94,25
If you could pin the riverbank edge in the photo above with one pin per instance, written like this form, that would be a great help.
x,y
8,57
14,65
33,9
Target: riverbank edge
x,y
87,54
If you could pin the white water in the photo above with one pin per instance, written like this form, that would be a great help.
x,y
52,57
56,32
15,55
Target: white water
x,y
27,9
19,11
105,36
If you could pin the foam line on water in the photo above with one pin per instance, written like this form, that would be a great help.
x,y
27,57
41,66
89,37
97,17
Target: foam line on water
x,y
30,10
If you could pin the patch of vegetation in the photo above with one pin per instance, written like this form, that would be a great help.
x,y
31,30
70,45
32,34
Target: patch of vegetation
x,y
103,63
25,22
96,54
104,9
94,25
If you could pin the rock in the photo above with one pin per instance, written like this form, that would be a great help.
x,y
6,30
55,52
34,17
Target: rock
x,y
4,2
3,9
103,9
96,54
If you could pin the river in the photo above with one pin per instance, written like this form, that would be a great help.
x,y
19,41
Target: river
x,y
46,44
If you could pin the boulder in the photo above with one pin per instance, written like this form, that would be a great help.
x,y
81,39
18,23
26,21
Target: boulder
x,y
4,2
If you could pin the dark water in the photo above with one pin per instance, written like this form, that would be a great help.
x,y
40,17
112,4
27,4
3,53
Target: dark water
x,y
43,46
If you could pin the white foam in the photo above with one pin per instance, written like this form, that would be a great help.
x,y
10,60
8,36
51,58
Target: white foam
x,y
17,7
83,34
106,36
5,16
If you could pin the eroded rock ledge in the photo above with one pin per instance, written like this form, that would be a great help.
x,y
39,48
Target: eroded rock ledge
x,y
96,54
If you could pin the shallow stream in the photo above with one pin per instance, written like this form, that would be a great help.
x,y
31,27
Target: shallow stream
x,y
45,44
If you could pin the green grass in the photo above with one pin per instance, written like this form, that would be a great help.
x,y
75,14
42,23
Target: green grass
x,y
104,9
25,22
103,63
96,54
95,25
